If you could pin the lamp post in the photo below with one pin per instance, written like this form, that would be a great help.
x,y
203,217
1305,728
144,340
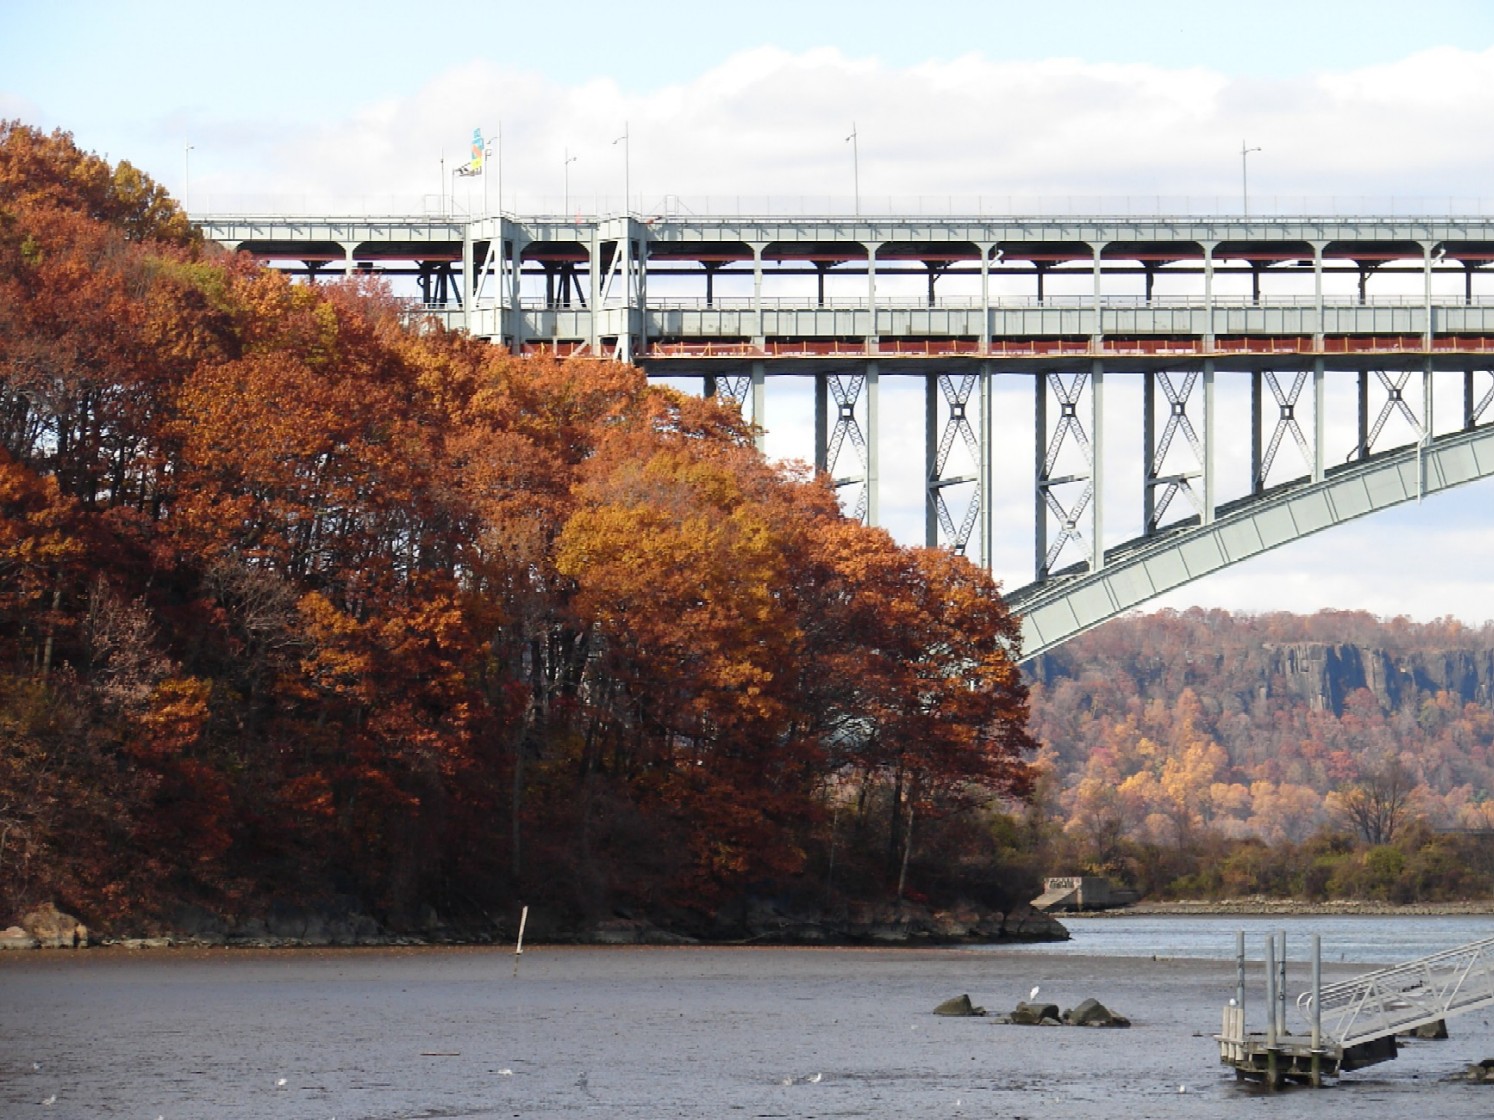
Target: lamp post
x,y
855,169
566,207
494,148
627,160
187,178
1244,182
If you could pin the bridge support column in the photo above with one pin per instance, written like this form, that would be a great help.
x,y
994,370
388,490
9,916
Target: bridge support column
x,y
985,298
1097,458
1317,296
759,405
1040,477
1210,479
873,480
513,255
1208,267
638,286
821,423
1426,424
1319,424
468,271
931,460
1256,483
759,339
1149,465
987,468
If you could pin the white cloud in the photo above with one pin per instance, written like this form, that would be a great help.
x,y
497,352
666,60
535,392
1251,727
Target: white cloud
x,y
772,122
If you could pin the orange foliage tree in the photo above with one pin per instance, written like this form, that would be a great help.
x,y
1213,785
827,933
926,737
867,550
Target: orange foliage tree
x,y
298,600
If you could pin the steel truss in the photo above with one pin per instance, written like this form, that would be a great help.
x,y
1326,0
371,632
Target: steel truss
x,y
1288,402
745,390
830,439
937,449
1057,503
1162,485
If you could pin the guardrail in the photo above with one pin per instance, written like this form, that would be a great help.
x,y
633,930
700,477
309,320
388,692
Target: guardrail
x,y
1405,996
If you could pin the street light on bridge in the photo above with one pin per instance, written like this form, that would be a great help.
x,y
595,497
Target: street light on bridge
x,y
566,206
627,144
493,151
1244,184
855,169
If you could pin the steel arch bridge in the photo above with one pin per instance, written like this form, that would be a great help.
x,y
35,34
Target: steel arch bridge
x,y
1276,376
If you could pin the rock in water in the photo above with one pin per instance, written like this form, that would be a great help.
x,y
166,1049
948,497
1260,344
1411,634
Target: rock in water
x,y
1093,1013
1032,1014
959,1006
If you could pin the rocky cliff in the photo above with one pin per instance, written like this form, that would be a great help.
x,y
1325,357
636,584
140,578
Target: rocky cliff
x,y
1324,674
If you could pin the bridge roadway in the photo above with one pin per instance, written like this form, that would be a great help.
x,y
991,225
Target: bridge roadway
x,y
1393,307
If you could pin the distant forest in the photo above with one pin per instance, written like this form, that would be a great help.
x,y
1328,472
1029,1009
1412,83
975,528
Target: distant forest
x,y
1178,748
300,603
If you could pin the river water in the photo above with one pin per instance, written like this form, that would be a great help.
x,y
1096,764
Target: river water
x,y
680,1032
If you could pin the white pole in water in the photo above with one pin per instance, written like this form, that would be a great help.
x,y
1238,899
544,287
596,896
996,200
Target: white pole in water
x,y
1281,982
1270,990
1240,968
1317,990
519,945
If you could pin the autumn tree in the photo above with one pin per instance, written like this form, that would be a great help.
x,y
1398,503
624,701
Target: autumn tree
x,y
1378,806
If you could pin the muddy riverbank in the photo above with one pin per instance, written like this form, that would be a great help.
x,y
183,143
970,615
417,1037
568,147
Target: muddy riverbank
x,y
645,1032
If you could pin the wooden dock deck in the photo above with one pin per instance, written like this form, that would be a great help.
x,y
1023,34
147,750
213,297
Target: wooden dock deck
x,y
1276,1059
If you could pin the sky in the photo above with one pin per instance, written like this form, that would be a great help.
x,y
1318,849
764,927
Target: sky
x,y
1369,104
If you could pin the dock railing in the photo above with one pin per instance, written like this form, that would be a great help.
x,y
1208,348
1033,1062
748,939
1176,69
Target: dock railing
x,y
1405,996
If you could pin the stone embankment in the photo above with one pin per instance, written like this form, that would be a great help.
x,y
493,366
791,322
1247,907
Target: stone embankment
x,y
770,922
760,922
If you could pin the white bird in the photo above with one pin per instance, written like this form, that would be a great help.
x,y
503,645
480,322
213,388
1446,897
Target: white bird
x,y
280,1084
505,1072
50,1100
1232,1001
1032,995
787,1081
1182,1088
814,1078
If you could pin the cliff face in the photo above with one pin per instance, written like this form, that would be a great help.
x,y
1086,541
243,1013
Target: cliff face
x,y
1324,674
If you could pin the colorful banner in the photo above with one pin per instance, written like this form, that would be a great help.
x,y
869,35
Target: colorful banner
x,y
474,165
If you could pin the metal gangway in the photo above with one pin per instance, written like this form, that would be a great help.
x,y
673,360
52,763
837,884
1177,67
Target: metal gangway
x,y
1353,1023
1402,997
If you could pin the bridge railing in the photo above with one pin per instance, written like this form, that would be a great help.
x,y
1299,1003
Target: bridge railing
x,y
903,301
1265,209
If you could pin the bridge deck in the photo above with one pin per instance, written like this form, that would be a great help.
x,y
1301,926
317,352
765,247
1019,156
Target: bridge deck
x,y
1360,304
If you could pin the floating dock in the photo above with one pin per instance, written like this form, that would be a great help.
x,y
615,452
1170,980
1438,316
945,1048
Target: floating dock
x,y
1352,1024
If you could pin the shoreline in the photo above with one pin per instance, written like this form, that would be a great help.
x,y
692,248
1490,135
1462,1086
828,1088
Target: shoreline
x,y
1258,906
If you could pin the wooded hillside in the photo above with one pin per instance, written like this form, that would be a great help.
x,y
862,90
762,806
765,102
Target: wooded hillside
x,y
297,601
1168,733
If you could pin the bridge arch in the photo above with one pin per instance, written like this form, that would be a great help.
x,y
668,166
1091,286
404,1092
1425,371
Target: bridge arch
x,y
1064,605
